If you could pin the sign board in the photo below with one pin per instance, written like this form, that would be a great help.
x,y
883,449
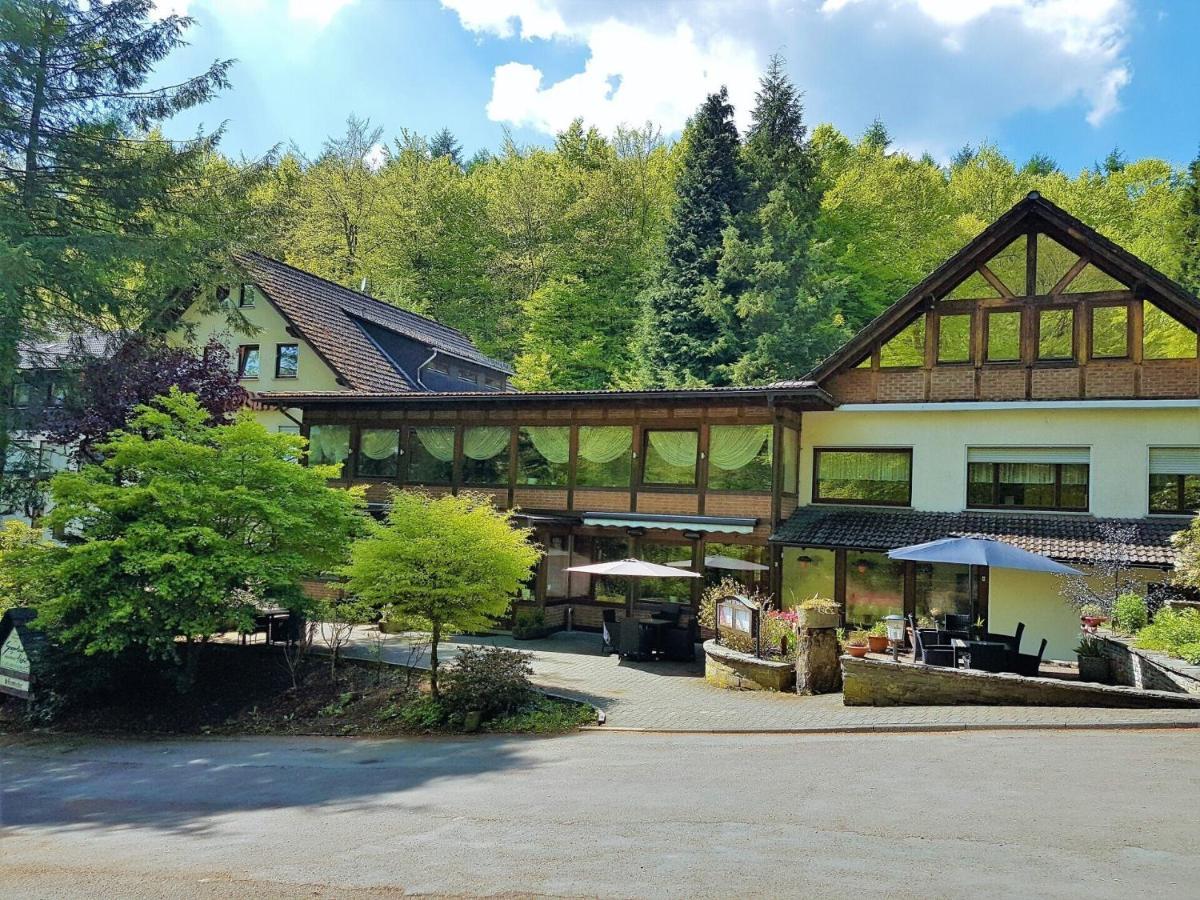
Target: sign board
x,y
17,641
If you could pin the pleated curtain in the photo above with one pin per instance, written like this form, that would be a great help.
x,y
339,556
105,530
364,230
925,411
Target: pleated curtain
x,y
676,448
485,441
604,443
733,447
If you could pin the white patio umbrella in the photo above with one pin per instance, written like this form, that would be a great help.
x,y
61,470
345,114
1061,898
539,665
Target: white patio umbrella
x,y
632,568
717,561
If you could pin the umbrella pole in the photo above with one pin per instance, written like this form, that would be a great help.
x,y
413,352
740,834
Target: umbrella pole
x,y
629,597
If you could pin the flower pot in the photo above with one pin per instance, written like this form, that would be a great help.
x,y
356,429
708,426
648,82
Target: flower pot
x,y
810,618
1090,623
877,643
857,651
1093,668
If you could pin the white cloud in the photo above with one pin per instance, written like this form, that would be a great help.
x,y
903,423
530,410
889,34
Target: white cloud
x,y
533,18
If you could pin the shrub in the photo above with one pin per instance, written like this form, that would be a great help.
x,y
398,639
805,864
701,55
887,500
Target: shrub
x,y
778,632
856,638
1090,647
422,714
1130,614
529,623
1174,631
878,629
820,605
492,680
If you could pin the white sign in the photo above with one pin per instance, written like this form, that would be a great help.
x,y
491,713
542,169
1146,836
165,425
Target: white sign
x,y
14,667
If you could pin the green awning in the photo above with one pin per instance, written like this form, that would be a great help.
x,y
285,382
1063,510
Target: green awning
x,y
711,524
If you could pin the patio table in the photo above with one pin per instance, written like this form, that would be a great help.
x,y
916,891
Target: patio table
x,y
960,647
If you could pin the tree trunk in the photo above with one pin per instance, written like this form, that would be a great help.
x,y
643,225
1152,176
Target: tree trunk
x,y
433,660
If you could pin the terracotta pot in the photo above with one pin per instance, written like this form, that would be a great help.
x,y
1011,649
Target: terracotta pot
x,y
877,643
857,651
1093,621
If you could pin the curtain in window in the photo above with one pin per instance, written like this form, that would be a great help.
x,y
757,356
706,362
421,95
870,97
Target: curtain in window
x,y
604,443
438,442
485,442
1027,473
864,466
376,444
677,448
553,442
328,443
732,447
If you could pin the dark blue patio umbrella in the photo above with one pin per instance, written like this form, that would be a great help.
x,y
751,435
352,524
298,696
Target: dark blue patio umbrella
x,y
990,552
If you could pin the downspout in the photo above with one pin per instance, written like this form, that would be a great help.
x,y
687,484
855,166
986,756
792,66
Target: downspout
x,y
432,357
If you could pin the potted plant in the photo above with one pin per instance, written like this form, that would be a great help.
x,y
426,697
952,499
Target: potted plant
x,y
877,639
818,612
1092,615
856,642
1093,663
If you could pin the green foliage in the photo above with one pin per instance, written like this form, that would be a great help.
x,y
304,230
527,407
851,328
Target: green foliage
x,y
20,547
1187,550
857,638
1189,273
1173,631
1130,614
1090,647
454,562
544,716
183,529
422,714
493,681
878,629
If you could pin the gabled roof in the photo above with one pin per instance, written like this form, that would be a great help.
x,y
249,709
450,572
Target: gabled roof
x,y
1077,539
50,353
327,316
1033,213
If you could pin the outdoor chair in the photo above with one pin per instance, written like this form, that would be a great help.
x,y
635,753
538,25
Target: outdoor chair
x,y
1012,640
679,642
1028,664
930,654
956,622
636,642
609,634
990,657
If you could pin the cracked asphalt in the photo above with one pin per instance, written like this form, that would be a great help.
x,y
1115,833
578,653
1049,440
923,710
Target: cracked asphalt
x,y
977,814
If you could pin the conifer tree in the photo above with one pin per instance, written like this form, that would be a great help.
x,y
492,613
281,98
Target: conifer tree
x,y
1190,267
444,143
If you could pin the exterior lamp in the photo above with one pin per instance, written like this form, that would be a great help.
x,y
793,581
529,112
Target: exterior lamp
x,y
804,561
895,633
862,565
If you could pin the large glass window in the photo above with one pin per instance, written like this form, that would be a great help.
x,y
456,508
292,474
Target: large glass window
x,y
1009,266
594,550
942,589
431,455
739,457
807,573
605,456
669,590
863,476
1164,337
874,587
1175,480
791,460
287,360
543,454
557,559
723,561
1003,336
1028,479
905,349
954,338
485,455
669,458
1110,332
1056,333
329,445
379,453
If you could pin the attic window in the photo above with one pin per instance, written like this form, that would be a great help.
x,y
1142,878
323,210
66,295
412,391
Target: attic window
x,y
1054,261
440,367
1009,266
494,381
905,349
1165,338
468,375
975,287
245,296
954,338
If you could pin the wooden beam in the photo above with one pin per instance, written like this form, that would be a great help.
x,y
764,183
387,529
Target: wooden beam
x,y
1031,263
1072,274
995,282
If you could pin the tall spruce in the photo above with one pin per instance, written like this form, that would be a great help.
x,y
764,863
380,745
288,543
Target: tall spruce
x,y
93,202
444,143
684,341
784,322
1190,264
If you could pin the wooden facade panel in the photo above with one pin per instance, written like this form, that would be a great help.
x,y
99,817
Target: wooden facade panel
x,y
1117,379
1055,384
1006,383
601,501
1171,378
540,498
952,383
680,504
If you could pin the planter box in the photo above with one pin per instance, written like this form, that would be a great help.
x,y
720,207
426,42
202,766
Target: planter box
x,y
809,618
740,671
1094,668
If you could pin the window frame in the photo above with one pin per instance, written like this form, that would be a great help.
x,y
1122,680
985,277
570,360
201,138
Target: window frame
x,y
969,315
243,355
468,375
667,486
243,293
279,356
704,458
987,335
1180,508
397,476
1091,326
1058,485
408,445
835,501
1037,340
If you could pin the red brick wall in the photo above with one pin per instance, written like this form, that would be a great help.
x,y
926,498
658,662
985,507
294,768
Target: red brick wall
x,y
607,501
671,504
1178,378
853,386
1002,384
540,498
1055,384
1110,379
757,505
901,387
952,383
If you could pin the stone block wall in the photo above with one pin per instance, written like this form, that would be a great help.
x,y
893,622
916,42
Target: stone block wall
x,y
739,671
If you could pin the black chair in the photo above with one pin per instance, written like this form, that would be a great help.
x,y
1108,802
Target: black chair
x,y
637,640
1012,640
609,633
930,654
1029,665
668,612
990,657
955,622
679,642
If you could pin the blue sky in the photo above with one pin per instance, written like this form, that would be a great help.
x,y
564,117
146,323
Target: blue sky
x,y
1071,78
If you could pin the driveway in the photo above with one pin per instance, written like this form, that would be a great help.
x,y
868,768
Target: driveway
x,y
996,814
675,696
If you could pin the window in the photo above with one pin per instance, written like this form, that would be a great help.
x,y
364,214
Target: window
x,y
485,455
329,445
791,461
287,360
246,296
666,590
1053,262
1165,338
543,454
942,589
468,375
586,550
1110,332
905,349
975,287
1028,478
954,338
287,429
431,455
670,458
874,587
378,453
248,362
494,381
1003,336
739,457
1175,480
807,573
1009,266
882,477
751,578
22,394
1056,334
440,367
605,456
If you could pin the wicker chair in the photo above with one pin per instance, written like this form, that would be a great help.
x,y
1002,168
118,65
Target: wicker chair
x,y
609,632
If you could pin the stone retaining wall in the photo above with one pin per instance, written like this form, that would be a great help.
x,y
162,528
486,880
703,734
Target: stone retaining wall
x,y
869,682
1148,669
740,671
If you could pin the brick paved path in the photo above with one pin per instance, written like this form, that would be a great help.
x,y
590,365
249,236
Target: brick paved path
x,y
675,696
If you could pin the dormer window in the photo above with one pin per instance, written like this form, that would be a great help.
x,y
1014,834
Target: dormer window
x,y
439,367
468,375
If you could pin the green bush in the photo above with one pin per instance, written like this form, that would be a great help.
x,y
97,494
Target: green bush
x,y
1173,631
1130,614
492,680
545,716
422,714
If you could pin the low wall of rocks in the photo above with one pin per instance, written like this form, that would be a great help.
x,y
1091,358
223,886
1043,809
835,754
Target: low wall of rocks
x,y
1148,669
742,672
869,682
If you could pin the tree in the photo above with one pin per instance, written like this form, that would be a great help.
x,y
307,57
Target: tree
x,y
90,195
1040,164
451,562
106,391
183,529
876,136
445,144
684,341
1187,546
19,545
1190,202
